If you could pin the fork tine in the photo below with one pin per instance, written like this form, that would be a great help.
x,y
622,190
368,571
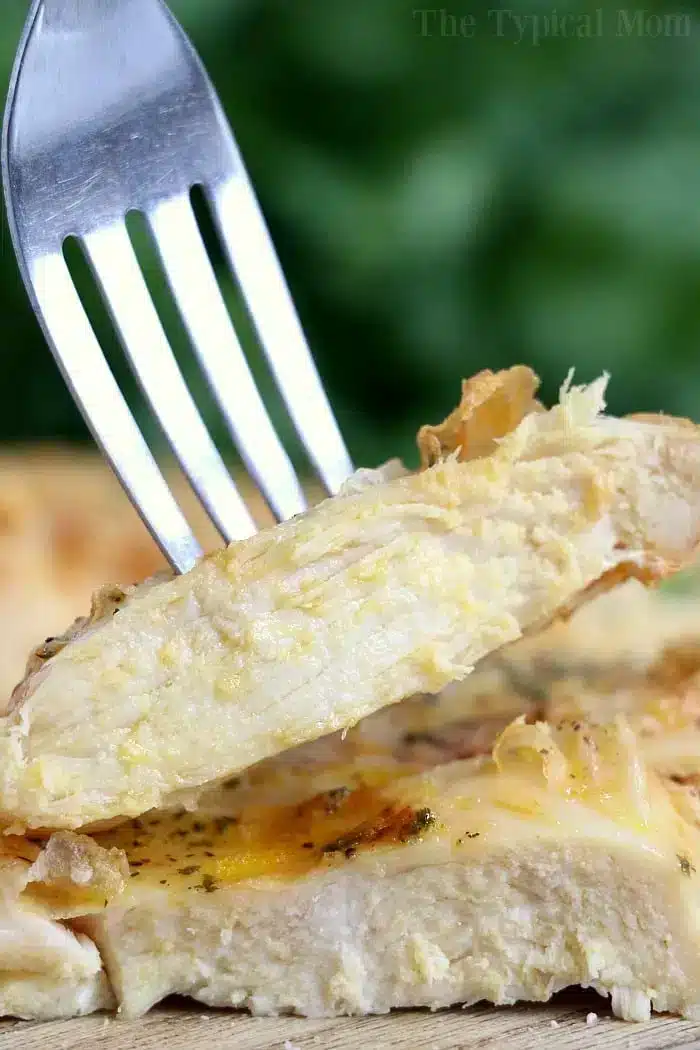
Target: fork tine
x,y
203,311
116,269
102,403
259,274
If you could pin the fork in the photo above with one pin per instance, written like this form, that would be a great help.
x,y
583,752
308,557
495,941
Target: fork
x,y
110,111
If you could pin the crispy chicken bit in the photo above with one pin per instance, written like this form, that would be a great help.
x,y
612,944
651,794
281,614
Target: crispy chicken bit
x,y
492,405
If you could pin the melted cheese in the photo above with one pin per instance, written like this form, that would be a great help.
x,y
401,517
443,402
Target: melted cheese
x,y
568,783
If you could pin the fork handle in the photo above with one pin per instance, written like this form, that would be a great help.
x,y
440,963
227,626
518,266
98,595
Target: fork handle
x,y
73,15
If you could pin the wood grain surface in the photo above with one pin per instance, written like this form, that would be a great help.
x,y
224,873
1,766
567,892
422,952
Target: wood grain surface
x,y
185,1026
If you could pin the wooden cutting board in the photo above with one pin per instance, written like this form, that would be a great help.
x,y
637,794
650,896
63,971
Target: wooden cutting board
x,y
182,1026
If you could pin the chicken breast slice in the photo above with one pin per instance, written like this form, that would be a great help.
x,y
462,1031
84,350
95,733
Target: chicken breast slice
x,y
397,587
632,651
560,861
48,970
265,835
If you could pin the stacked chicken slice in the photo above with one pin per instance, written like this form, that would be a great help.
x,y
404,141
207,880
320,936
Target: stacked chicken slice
x,y
496,835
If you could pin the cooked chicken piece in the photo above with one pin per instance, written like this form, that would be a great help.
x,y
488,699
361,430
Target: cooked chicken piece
x,y
631,651
616,637
560,861
46,969
491,406
393,588
66,528
260,837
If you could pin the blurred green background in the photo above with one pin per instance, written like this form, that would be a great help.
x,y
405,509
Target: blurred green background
x,y
444,203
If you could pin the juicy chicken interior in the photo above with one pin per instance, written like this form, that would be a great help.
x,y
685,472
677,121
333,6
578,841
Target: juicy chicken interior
x,y
394,587
350,876
368,869
562,859
533,826
48,970
66,527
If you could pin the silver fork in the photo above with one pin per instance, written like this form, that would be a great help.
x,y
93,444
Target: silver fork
x,y
110,110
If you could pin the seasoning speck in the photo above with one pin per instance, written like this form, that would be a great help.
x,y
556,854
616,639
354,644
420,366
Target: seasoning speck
x,y
686,867
221,823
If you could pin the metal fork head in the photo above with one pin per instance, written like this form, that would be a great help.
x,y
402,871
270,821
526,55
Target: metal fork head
x,y
110,110
119,115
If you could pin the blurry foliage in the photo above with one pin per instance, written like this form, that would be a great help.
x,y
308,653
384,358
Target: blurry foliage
x,y
443,205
